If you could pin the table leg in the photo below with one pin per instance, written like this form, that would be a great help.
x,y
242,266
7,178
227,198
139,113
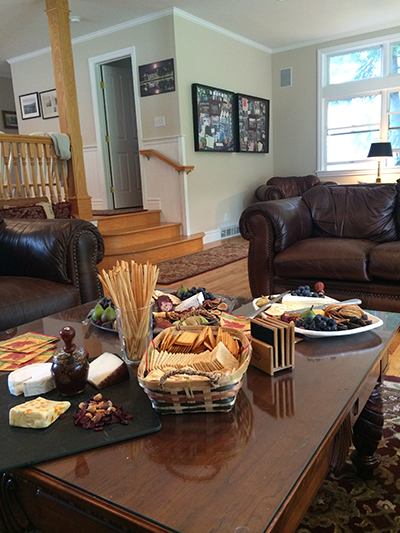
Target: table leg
x,y
367,433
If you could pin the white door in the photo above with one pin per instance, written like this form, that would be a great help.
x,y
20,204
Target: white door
x,y
123,146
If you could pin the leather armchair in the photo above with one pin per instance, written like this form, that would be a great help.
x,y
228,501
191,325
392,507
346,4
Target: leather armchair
x,y
278,188
46,266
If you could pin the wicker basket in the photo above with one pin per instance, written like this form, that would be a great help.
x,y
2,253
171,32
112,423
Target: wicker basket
x,y
186,395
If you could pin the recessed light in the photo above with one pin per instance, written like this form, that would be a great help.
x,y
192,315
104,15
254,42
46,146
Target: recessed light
x,y
75,18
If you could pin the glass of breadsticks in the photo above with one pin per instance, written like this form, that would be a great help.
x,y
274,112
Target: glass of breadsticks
x,y
131,286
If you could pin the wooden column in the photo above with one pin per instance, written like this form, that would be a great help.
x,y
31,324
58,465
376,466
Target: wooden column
x,y
64,75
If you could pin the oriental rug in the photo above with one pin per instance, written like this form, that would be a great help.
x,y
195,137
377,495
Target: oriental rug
x,y
200,262
347,504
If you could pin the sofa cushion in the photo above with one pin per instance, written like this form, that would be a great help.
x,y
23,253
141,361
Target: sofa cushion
x,y
26,299
321,258
384,261
354,211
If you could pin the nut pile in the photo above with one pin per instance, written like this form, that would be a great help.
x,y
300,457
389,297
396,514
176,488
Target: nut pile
x,y
98,412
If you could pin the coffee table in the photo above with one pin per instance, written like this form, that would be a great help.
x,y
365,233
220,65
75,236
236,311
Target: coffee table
x,y
258,466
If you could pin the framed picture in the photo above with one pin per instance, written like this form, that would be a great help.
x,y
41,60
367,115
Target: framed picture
x,y
48,103
10,119
157,78
252,124
213,119
29,106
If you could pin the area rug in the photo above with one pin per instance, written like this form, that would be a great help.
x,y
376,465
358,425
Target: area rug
x,y
347,504
200,262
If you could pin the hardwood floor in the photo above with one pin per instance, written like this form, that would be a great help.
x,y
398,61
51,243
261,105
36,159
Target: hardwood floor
x,y
232,279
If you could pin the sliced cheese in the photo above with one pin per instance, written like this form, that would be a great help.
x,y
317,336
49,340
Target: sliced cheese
x,y
31,380
36,414
106,370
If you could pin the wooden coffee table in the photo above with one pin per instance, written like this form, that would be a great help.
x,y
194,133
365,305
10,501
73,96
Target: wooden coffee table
x,y
258,466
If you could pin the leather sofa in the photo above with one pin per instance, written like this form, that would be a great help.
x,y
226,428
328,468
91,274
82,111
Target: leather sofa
x,y
46,266
278,188
347,236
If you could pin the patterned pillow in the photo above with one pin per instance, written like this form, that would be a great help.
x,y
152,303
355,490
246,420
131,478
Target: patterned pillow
x,y
62,210
24,211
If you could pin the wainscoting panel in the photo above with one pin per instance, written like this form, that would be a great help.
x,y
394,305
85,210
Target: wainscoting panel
x,y
95,177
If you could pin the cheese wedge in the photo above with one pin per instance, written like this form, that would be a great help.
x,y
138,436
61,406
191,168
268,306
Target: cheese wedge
x,y
107,370
31,380
36,414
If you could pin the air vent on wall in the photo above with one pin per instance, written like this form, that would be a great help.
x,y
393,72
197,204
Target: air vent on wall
x,y
286,77
229,231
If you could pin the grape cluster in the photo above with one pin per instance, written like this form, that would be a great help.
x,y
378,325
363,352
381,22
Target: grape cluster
x,y
305,291
319,323
191,292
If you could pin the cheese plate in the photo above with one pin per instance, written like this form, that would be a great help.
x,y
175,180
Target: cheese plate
x,y
291,303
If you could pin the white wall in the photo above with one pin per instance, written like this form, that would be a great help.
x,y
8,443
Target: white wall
x,y
222,184
7,102
295,108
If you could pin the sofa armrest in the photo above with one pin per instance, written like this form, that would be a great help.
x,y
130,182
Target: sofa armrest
x,y
64,251
265,193
272,227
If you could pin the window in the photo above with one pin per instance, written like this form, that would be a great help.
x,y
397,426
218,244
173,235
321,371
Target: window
x,y
359,103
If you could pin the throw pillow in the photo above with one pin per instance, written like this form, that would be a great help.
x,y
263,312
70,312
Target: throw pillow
x,y
24,211
62,210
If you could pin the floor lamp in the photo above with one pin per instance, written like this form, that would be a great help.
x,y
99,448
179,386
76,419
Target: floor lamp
x,y
380,150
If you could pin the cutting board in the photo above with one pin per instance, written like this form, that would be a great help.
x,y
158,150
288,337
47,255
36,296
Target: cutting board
x,y
20,447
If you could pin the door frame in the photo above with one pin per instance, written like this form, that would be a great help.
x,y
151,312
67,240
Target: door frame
x,y
99,115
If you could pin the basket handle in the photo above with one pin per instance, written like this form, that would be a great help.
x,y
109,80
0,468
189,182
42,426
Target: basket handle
x,y
212,376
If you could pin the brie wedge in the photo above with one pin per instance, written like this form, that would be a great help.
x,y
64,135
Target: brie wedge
x,y
36,414
31,380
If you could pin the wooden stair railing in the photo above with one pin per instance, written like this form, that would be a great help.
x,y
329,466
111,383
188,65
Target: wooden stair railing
x,y
29,167
154,153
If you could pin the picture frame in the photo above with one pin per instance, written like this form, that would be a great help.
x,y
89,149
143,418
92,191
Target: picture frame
x,y
157,78
48,103
10,119
252,124
213,119
29,106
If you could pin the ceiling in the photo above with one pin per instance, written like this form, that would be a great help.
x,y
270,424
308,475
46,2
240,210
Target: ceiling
x,y
275,24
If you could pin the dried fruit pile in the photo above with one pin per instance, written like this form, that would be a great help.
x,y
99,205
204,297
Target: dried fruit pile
x,y
98,412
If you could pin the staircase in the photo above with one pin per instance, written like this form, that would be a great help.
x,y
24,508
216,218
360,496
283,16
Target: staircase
x,y
142,237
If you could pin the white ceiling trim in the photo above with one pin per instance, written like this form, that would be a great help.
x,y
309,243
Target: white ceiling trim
x,y
144,20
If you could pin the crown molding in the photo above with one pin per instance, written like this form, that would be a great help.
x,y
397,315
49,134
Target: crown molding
x,y
143,20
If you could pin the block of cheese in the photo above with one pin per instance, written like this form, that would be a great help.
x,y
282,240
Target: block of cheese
x,y
31,380
36,414
107,370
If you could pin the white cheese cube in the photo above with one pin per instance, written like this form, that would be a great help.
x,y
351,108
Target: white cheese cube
x,y
37,414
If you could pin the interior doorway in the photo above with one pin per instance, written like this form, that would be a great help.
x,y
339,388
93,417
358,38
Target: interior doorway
x,y
118,130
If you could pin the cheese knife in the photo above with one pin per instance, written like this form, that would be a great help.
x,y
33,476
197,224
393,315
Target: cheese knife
x,y
264,307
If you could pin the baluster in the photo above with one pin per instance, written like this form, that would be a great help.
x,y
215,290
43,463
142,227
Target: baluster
x,y
14,150
39,148
32,157
6,159
56,174
65,184
23,159
49,173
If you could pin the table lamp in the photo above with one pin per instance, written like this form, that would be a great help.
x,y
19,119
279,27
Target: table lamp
x,y
380,150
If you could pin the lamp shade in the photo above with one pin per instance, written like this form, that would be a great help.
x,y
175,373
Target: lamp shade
x,y
380,150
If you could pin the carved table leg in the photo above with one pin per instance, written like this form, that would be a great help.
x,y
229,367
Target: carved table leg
x,y
12,517
367,433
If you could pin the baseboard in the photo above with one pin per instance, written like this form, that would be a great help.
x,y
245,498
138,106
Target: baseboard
x,y
212,236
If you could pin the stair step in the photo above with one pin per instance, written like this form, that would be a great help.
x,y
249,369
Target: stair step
x,y
142,219
156,252
116,240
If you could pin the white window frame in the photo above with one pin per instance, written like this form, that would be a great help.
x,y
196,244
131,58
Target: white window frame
x,y
383,84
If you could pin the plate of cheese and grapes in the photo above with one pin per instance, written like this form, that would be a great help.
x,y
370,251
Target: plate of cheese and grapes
x,y
318,316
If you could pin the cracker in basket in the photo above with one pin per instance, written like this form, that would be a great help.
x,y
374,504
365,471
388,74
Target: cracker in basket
x,y
186,338
209,341
200,338
224,356
167,340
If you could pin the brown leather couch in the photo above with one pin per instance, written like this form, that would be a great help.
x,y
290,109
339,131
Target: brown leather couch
x,y
46,266
347,236
278,188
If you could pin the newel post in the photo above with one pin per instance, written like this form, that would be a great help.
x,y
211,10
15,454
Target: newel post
x,y
64,76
